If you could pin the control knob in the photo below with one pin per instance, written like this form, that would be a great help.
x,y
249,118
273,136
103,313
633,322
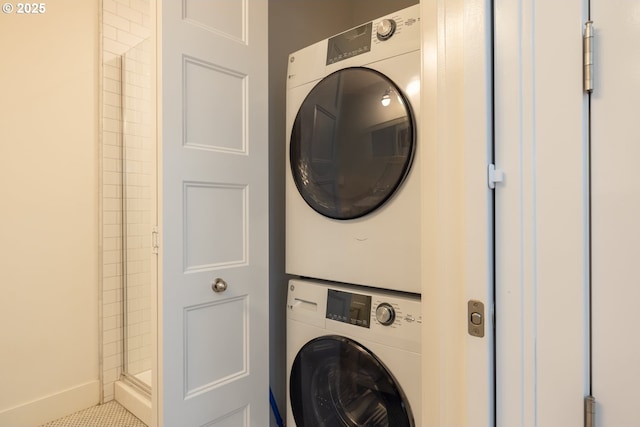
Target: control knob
x,y
385,314
385,29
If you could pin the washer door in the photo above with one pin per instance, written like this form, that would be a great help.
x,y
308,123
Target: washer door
x,y
352,143
336,382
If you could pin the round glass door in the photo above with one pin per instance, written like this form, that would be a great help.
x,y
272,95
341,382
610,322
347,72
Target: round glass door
x,y
352,143
336,382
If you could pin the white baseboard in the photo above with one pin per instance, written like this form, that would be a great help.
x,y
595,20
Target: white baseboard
x,y
54,406
136,402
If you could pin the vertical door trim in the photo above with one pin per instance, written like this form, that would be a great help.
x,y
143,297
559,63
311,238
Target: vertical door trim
x,y
456,145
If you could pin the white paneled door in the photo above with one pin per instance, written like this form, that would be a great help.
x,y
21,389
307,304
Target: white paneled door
x,y
213,310
615,212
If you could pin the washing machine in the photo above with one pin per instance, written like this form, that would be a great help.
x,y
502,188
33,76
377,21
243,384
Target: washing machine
x,y
353,356
353,194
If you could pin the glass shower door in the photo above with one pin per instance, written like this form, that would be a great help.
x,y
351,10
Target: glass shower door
x,y
138,214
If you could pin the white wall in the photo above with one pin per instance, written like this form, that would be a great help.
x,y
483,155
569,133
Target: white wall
x,y
49,256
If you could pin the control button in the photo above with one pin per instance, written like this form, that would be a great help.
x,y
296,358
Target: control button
x,y
385,29
409,318
385,314
476,318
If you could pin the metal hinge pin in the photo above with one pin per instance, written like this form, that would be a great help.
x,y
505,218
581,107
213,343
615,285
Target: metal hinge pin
x,y
587,56
154,240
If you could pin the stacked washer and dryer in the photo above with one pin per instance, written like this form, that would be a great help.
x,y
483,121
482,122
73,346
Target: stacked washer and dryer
x,y
353,227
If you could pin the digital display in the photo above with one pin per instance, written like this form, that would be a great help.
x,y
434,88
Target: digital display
x,y
349,308
349,44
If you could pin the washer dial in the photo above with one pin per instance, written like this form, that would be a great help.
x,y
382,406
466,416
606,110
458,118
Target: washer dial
x,y
385,29
385,314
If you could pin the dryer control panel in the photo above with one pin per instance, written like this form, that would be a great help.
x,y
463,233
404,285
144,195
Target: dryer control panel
x,y
403,26
349,44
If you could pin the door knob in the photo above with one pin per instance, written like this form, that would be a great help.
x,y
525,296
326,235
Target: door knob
x,y
219,285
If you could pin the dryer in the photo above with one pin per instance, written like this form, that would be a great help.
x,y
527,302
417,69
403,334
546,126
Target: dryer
x,y
353,356
353,196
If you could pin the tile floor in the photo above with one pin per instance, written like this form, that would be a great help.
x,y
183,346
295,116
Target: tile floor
x,y
110,414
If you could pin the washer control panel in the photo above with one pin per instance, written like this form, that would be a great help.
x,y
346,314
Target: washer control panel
x,y
364,310
361,313
349,307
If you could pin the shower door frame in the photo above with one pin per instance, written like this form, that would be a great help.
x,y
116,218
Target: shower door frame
x,y
129,377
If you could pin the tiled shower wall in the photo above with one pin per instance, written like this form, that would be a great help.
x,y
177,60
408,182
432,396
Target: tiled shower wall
x,y
126,24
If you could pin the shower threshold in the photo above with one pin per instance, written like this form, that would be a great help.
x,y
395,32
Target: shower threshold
x,y
134,399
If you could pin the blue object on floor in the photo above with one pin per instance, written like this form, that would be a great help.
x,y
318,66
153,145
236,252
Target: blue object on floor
x,y
274,408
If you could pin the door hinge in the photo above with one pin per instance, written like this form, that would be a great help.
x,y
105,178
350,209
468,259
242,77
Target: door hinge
x,y
494,176
589,411
587,57
154,240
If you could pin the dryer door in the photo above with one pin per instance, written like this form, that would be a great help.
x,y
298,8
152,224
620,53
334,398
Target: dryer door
x,y
336,382
352,143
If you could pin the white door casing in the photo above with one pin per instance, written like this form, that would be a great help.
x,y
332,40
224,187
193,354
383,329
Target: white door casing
x,y
615,211
542,217
455,145
212,82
